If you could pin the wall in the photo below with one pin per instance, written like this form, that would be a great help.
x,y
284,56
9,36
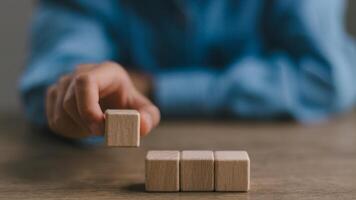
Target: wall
x,y
14,19
351,17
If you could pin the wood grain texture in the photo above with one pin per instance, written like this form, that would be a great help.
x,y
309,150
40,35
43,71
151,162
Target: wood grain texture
x,y
162,171
122,128
197,171
288,161
232,171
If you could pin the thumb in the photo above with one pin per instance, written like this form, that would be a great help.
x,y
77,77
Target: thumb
x,y
149,114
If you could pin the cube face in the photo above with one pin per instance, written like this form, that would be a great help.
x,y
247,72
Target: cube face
x,y
197,171
122,128
162,171
232,171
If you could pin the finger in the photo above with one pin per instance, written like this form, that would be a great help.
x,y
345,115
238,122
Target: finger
x,y
107,78
63,123
83,68
70,107
70,101
150,118
62,87
87,102
150,115
50,100
65,126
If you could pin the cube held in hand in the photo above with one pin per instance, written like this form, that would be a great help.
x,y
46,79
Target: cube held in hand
x,y
122,128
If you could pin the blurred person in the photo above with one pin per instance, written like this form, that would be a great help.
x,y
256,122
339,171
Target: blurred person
x,y
244,59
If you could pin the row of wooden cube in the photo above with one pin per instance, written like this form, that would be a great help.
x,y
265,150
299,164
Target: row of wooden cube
x,y
172,171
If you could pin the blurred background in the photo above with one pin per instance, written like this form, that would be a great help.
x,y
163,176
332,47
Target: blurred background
x,y
15,16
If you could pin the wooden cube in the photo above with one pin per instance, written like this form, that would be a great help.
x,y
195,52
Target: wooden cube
x,y
162,171
197,171
122,128
232,171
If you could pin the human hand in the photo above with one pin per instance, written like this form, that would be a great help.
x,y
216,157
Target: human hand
x,y
75,104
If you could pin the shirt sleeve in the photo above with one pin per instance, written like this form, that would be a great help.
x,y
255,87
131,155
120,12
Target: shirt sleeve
x,y
63,34
306,71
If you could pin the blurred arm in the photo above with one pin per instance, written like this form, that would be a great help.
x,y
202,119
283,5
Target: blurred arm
x,y
64,34
307,71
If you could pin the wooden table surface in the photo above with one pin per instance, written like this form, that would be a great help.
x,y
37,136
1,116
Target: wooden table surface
x,y
288,161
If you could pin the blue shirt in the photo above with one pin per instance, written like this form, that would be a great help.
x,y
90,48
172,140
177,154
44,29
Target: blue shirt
x,y
251,59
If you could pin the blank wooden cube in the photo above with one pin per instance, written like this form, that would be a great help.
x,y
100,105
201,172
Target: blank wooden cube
x,y
197,171
162,171
232,171
122,128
